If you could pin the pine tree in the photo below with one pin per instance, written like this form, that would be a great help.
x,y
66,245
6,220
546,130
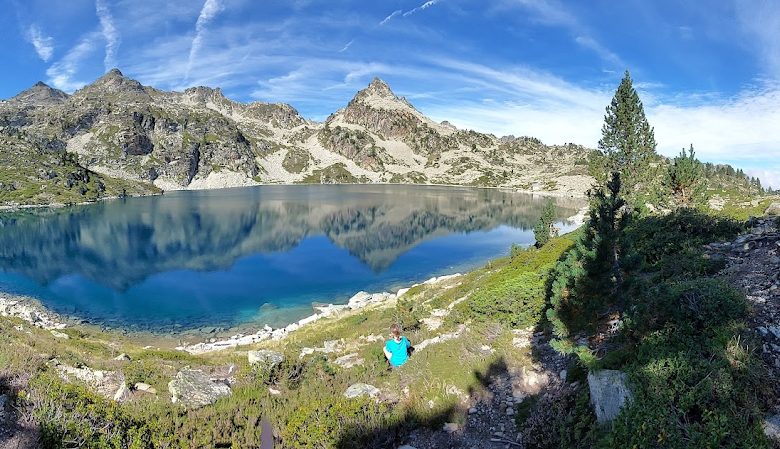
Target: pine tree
x,y
543,230
684,179
628,143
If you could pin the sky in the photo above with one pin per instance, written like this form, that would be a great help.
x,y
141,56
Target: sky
x,y
708,76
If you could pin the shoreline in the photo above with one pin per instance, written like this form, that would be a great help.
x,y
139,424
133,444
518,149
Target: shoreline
x,y
31,310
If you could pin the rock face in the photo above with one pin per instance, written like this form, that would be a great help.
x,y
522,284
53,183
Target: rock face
x,y
609,393
201,139
193,389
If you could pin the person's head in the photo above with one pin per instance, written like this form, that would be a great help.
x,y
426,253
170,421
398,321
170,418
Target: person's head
x,y
395,330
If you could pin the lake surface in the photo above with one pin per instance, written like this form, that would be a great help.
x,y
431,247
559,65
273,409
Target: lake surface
x,y
258,255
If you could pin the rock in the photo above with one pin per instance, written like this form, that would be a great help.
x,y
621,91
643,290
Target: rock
x,y
360,389
122,357
510,411
563,375
775,260
472,410
772,209
193,389
265,357
122,394
609,393
333,346
771,427
58,334
450,427
274,391
406,446
146,388
349,360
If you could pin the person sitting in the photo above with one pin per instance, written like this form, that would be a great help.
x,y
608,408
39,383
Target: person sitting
x,y
397,348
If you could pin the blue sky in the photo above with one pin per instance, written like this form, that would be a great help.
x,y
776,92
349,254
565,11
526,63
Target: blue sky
x,y
708,73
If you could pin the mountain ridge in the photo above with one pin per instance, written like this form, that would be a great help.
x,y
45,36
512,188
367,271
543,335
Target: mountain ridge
x,y
199,138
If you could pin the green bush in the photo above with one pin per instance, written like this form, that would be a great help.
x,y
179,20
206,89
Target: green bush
x,y
325,421
516,301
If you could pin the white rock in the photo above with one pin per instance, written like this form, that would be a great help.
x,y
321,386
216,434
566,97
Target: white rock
x,y
450,427
361,389
122,394
58,334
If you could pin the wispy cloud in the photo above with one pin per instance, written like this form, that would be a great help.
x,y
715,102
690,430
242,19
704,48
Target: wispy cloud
x,y
210,9
44,45
390,17
62,72
425,5
346,46
604,53
109,32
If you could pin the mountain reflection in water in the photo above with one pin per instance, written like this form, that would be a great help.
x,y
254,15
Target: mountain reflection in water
x,y
217,256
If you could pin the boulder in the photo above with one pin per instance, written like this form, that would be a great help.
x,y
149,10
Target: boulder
x,y
122,393
122,357
609,393
771,427
773,209
265,357
193,389
361,389
146,388
349,360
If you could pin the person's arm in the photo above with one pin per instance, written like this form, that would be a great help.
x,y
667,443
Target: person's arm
x,y
408,343
388,354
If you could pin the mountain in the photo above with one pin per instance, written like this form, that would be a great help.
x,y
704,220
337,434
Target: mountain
x,y
120,130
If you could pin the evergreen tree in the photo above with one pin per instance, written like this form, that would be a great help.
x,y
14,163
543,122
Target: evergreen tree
x,y
684,179
628,143
544,230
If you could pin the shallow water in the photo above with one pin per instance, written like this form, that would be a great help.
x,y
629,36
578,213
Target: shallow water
x,y
258,255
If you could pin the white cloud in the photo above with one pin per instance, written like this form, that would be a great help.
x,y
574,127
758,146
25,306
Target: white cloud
x,y
44,45
603,52
110,34
62,72
210,9
346,46
390,17
425,5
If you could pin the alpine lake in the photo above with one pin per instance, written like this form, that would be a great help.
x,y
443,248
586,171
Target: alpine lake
x,y
246,257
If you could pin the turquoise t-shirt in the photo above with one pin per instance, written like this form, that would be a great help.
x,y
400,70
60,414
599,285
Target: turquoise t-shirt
x,y
398,351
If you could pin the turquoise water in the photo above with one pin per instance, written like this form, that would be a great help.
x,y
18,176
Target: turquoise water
x,y
258,255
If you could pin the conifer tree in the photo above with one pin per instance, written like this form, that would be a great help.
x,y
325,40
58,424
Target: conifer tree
x,y
543,230
684,179
627,144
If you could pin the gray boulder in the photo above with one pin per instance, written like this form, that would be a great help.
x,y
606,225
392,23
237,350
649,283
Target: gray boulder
x,y
193,389
609,393
349,360
361,389
771,427
265,357
773,209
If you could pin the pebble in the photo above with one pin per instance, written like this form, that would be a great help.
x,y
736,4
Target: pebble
x,y
510,411
472,410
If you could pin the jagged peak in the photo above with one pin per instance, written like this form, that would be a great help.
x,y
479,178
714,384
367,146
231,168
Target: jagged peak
x,y
40,94
115,82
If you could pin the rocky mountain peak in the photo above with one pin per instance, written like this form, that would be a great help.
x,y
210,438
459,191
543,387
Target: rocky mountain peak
x,y
40,95
114,83
376,92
